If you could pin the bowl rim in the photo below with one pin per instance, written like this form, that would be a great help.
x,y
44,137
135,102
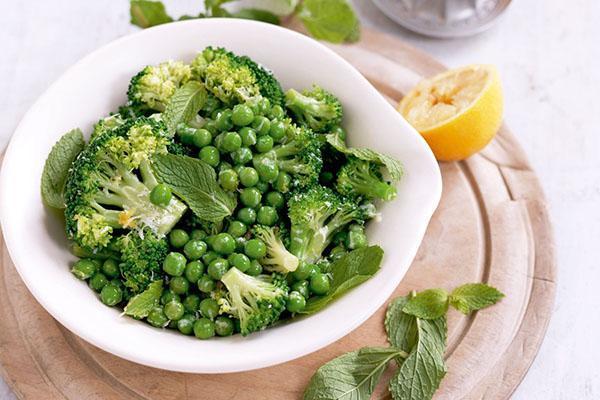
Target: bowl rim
x,y
290,353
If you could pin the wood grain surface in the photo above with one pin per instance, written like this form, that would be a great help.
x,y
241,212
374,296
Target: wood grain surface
x,y
492,225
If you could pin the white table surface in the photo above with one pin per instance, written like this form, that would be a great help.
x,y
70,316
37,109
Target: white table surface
x,y
548,54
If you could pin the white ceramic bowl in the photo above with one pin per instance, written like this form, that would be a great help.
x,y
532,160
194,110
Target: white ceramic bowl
x,y
97,84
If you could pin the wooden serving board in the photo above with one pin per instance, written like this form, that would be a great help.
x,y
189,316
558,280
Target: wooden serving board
x,y
492,226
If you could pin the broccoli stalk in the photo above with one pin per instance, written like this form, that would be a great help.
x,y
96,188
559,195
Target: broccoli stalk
x,y
278,258
363,178
316,215
109,185
316,108
256,301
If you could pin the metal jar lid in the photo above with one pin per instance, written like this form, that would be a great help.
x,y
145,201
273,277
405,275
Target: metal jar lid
x,y
444,18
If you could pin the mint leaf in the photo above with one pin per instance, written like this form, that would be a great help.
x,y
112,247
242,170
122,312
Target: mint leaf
x,y
195,182
257,15
331,20
351,376
401,328
140,305
146,13
185,103
474,296
394,167
428,304
420,374
57,166
347,272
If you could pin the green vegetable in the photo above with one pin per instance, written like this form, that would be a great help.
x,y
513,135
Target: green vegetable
x,y
349,271
139,306
429,304
278,258
351,376
257,15
153,87
474,296
317,109
57,165
363,178
141,259
184,105
145,13
331,20
196,183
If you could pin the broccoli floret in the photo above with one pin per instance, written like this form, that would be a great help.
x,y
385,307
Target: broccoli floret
x,y
153,86
235,79
142,255
256,301
316,108
109,184
316,215
300,156
107,124
363,178
278,258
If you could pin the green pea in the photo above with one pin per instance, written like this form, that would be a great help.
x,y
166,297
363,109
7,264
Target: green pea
x,y
277,112
224,243
186,133
204,328
224,326
206,284
266,167
261,125
174,264
201,138
255,268
264,105
178,238
356,240
262,187
255,248
98,281
277,131
84,269
194,249
211,126
228,179
210,240
191,303
303,271
161,195
296,302
247,215
283,182
267,215
231,142
97,263
157,317
250,197
110,268
168,296
264,144
319,284
242,156
209,256
210,155
111,294
209,308
275,199
193,271
302,288
237,228
224,166
217,268
242,115
240,261
179,285
223,120
174,310
186,324
248,176
337,252
240,243
198,234
248,136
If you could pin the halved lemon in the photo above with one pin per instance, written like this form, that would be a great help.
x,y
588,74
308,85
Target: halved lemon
x,y
458,112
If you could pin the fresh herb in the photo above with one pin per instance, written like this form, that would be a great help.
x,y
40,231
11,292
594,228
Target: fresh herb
x,y
195,182
347,272
352,375
140,305
393,166
184,105
57,166
429,304
418,347
331,20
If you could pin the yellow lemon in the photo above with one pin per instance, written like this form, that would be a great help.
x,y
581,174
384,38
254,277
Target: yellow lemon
x,y
458,111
